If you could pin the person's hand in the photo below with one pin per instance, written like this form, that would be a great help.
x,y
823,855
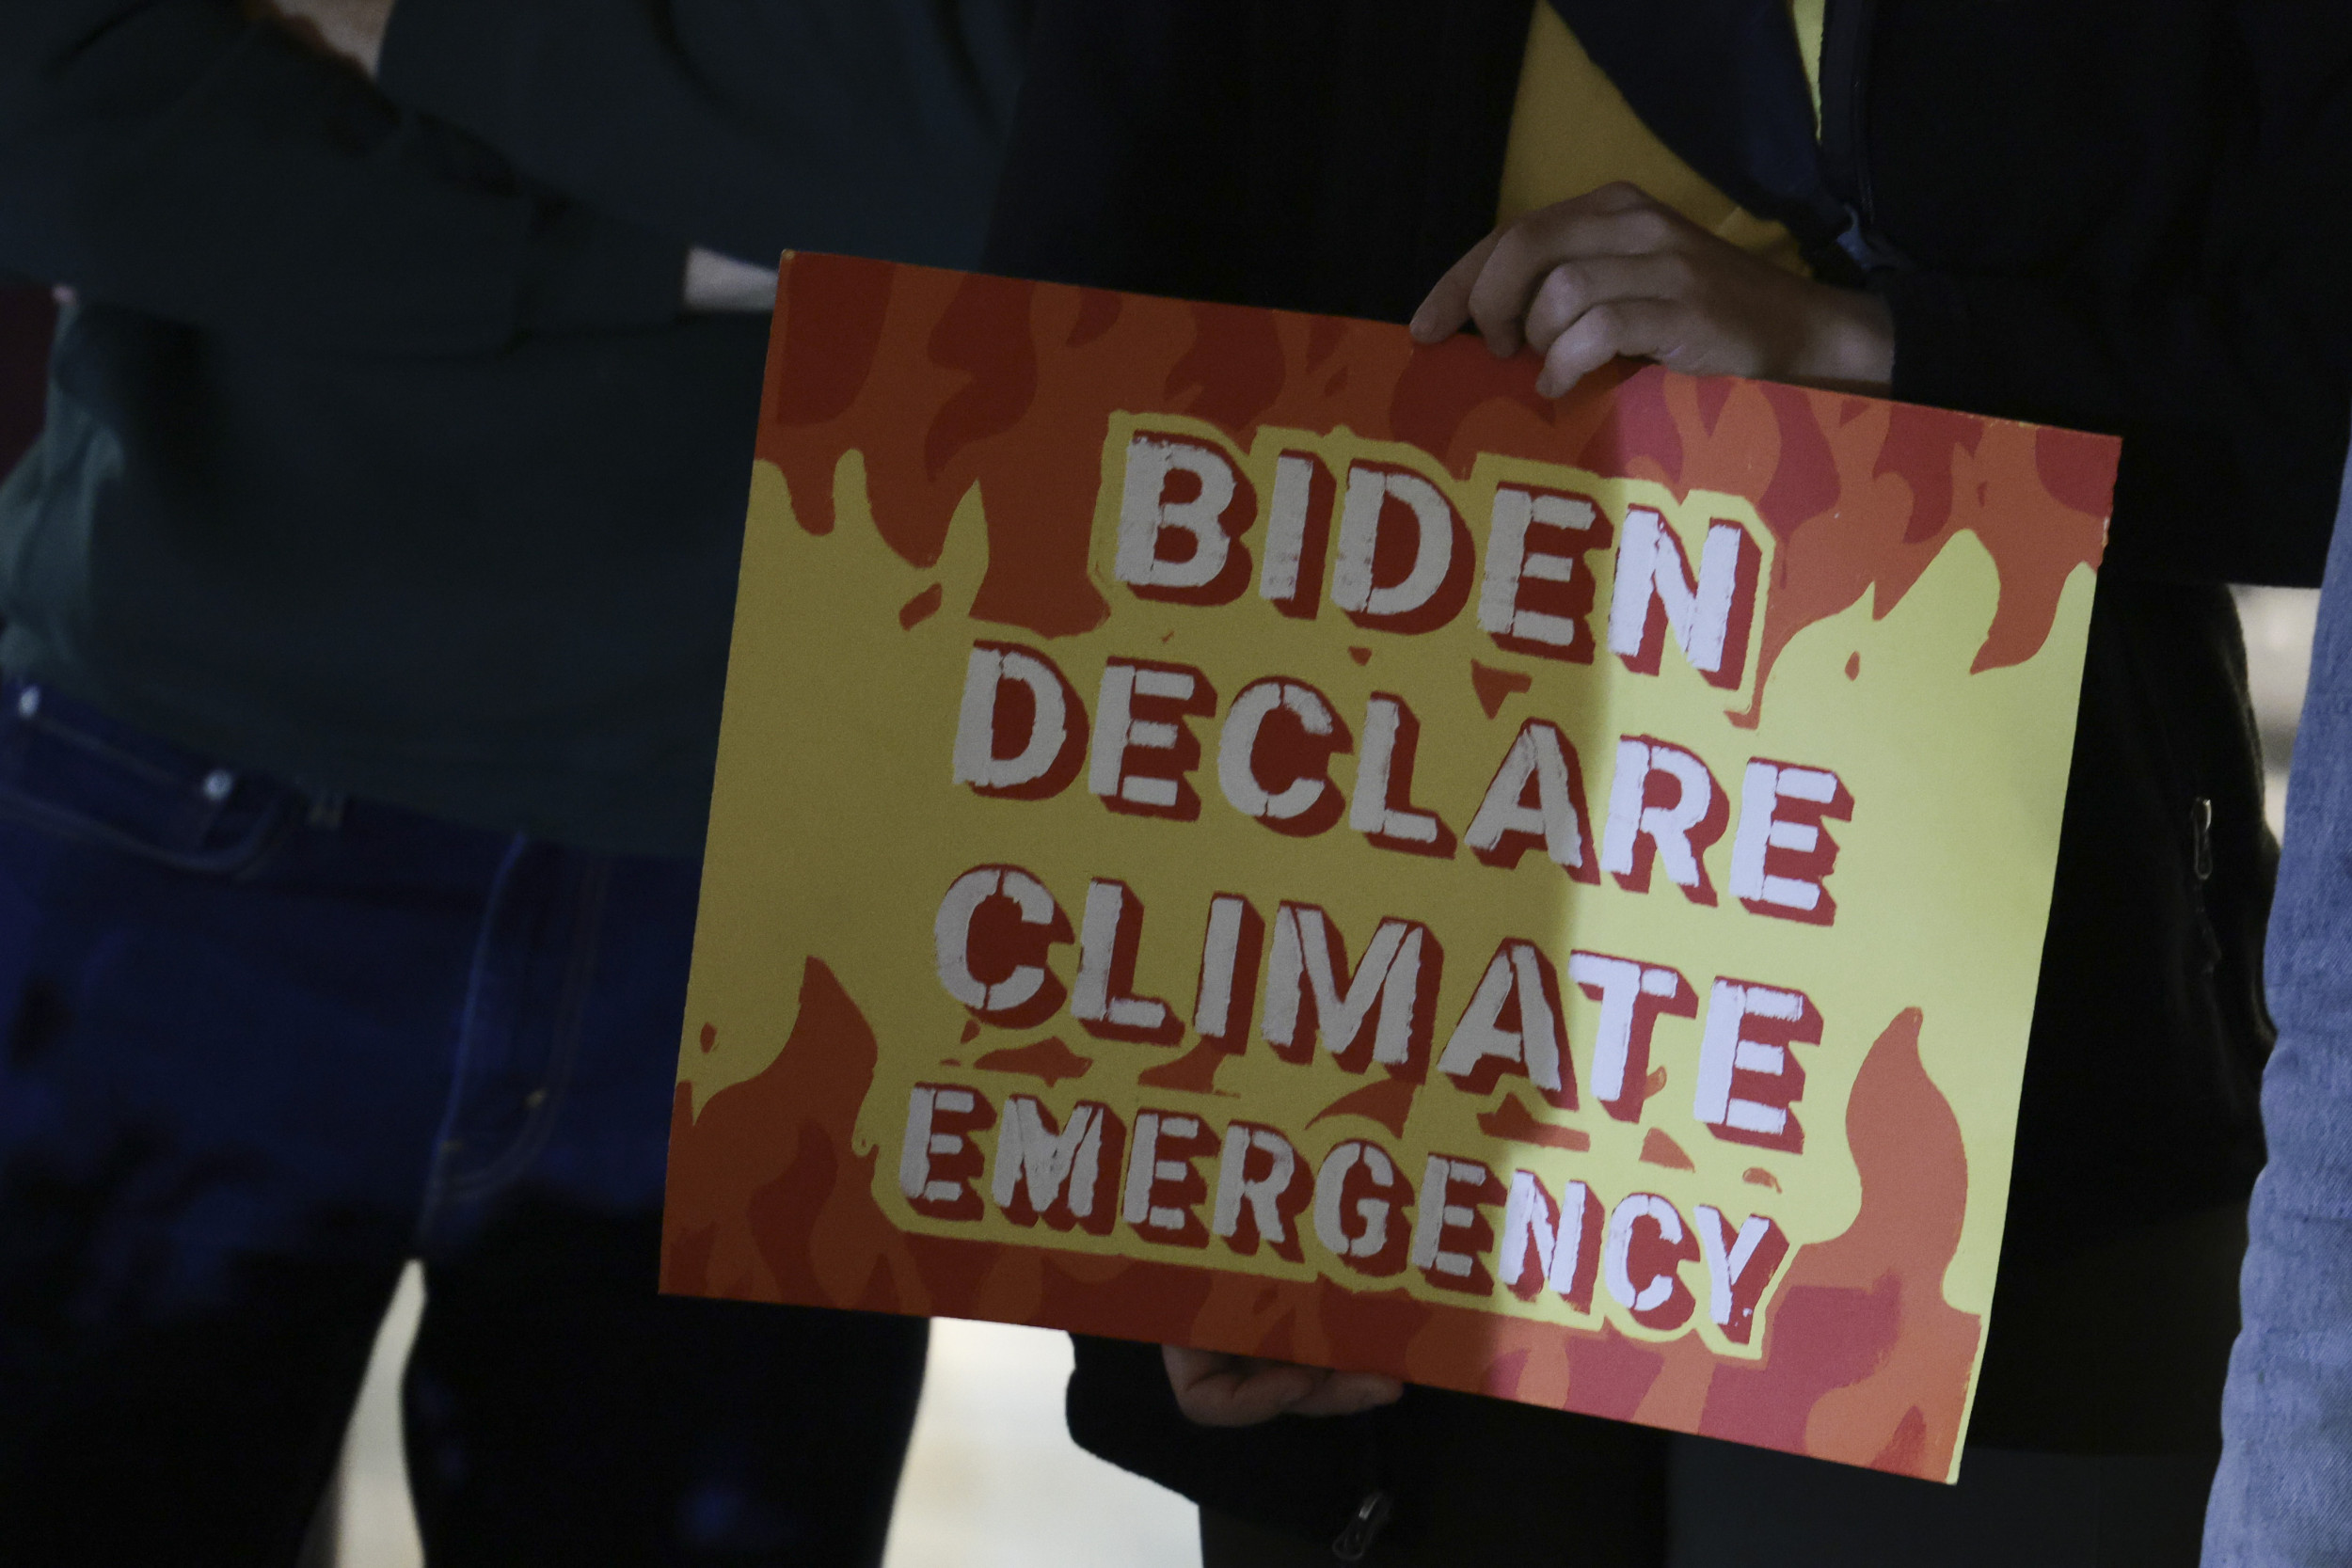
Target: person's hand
x,y
349,29
1615,272
720,283
1218,1390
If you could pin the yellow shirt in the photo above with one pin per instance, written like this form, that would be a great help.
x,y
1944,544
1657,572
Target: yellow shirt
x,y
1572,130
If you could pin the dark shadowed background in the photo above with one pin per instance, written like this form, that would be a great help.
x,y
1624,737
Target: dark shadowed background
x,y
25,317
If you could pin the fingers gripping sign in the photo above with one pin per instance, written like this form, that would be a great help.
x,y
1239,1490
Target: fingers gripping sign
x,y
1613,274
1220,1390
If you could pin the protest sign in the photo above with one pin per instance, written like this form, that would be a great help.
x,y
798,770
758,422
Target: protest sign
x,y
1235,829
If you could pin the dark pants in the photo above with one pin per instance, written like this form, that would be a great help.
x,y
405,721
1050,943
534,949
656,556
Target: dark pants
x,y
2073,1365
1732,1507
1744,1508
263,1047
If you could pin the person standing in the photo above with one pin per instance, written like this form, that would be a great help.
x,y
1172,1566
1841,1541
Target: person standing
x,y
2118,217
367,605
2284,1495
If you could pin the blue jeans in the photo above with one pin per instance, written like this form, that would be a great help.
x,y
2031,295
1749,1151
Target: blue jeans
x,y
2284,1497
262,1047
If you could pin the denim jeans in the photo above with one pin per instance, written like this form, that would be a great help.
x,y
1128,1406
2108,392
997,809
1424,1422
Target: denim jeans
x,y
266,1045
2285,1493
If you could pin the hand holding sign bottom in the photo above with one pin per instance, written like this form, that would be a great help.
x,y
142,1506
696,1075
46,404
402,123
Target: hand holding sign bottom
x,y
1215,1389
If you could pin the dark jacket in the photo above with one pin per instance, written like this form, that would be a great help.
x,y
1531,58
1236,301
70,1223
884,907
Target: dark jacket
x,y
2119,216
26,318
380,453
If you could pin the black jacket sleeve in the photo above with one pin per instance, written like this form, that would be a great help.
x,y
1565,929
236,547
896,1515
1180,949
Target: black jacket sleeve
x,y
2224,357
1332,156
1187,147
1130,152
170,156
873,127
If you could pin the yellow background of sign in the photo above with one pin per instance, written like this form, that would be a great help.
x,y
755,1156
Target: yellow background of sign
x,y
839,847
1943,696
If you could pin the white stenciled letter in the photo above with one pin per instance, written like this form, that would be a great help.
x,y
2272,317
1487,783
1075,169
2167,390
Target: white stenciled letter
x,y
1479,1046
1228,965
978,760
1762,830
1555,1234
1106,944
1306,970
1289,522
1369,492
1045,1168
1382,810
1656,1290
1509,563
1654,597
1263,1193
1738,1267
1630,996
1680,830
1373,1213
1121,733
951,933
1146,515
1540,762
1439,1216
1296,798
1730,1060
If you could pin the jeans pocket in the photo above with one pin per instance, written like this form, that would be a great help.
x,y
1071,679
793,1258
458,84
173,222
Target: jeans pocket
x,y
73,774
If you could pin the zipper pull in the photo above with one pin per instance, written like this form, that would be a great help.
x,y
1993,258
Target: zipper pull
x,y
1869,249
1357,1539
2200,829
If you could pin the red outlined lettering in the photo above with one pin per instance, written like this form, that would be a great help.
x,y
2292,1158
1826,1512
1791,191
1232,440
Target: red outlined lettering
x,y
991,937
1299,533
1654,597
1512,1024
1261,1188
1274,756
1383,809
1540,763
1548,1243
1359,1196
1021,732
1144,752
1738,1266
1385,1013
1749,1077
1642,1261
1183,509
1055,1173
1103,999
1404,557
1164,1189
1783,854
938,1160
1538,591
1664,807
1231,952
1633,996
1451,1236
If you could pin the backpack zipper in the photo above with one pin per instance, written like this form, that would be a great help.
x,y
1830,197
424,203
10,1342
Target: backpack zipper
x,y
1356,1540
1845,37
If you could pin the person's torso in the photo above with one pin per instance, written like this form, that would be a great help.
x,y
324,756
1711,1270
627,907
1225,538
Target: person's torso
x,y
495,588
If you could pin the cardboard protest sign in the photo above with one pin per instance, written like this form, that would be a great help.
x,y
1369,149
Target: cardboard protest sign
x,y
1233,830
